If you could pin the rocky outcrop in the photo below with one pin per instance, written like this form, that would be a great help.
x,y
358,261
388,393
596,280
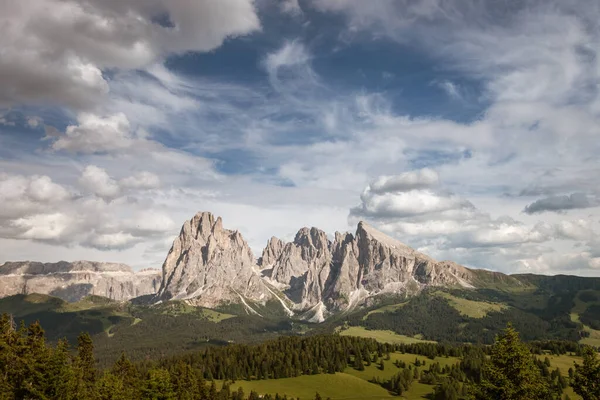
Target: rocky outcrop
x,y
72,281
339,275
303,267
209,265
271,253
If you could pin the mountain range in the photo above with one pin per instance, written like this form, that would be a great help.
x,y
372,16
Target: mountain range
x,y
311,277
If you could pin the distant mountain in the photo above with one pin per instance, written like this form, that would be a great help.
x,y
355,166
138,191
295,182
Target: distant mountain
x,y
72,281
311,277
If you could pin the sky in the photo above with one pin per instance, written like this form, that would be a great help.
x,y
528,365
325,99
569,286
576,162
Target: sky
x,y
466,129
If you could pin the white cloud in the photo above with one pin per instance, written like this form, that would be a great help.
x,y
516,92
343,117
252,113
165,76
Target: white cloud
x,y
55,51
451,89
97,181
142,180
291,7
110,241
443,223
20,195
42,226
42,189
95,134
419,179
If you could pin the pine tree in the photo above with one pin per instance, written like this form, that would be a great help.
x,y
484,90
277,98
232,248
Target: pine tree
x,y
157,386
85,368
511,373
586,379
60,373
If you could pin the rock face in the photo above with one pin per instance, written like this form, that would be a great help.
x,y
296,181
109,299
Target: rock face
x,y
72,281
326,276
209,265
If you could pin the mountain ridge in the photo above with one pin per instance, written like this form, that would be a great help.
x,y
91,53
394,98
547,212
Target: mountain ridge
x,y
209,265
72,281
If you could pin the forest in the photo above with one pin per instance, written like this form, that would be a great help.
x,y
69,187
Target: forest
x,y
32,368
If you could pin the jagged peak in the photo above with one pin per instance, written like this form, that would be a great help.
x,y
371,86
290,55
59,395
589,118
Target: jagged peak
x,y
365,230
343,237
312,236
274,240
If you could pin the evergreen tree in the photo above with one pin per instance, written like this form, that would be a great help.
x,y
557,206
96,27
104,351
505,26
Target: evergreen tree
x,y
511,373
586,379
157,386
85,368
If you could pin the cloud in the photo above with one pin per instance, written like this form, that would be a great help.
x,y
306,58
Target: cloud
x,y
291,7
560,203
443,224
56,51
22,195
97,181
43,226
451,89
111,241
96,134
37,209
142,180
419,179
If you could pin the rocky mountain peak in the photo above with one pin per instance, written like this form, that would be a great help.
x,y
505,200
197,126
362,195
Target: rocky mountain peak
x,y
313,242
210,265
271,252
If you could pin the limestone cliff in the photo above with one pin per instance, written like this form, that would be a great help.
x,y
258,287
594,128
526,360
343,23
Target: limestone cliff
x,y
72,281
338,275
209,265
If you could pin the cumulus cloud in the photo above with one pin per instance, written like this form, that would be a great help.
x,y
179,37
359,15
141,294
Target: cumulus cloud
x,y
56,51
95,134
560,203
36,208
20,195
443,223
419,179
43,226
97,181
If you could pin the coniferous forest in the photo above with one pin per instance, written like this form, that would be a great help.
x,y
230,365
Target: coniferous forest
x,y
32,368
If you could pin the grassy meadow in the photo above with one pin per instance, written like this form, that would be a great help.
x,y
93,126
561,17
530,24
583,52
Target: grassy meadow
x,y
381,336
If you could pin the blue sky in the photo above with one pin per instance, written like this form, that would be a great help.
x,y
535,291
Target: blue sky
x,y
468,130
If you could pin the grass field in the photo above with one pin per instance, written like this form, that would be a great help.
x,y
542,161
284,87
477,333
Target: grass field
x,y
215,316
564,362
470,308
388,308
579,308
390,369
339,386
381,336
354,385
417,390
